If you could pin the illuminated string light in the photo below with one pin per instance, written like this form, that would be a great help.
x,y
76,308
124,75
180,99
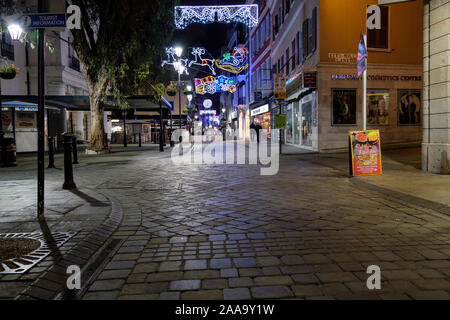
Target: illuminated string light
x,y
178,64
213,85
247,14
234,62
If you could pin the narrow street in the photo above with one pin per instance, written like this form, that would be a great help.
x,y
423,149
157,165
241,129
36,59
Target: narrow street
x,y
226,232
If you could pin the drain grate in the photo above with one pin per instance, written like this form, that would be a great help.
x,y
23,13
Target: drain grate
x,y
23,263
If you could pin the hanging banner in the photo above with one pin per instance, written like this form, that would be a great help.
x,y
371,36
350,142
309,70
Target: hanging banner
x,y
365,153
361,60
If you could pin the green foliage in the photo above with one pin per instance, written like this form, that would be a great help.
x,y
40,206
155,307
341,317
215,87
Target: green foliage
x,y
122,41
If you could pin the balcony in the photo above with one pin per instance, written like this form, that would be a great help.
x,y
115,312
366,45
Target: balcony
x,y
74,64
7,51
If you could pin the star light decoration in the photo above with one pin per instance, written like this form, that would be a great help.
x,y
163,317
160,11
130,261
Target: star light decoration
x,y
213,85
247,14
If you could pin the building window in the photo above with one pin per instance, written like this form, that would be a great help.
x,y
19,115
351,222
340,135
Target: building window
x,y
282,64
299,47
287,61
293,55
7,48
275,27
279,66
274,68
288,6
305,38
268,26
282,13
379,39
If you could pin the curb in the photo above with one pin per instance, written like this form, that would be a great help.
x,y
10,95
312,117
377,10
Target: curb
x,y
53,282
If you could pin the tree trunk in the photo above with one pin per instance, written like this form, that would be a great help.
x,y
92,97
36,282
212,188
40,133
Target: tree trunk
x,y
98,141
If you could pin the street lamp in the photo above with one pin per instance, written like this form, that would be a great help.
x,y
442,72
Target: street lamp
x,y
180,69
178,51
15,31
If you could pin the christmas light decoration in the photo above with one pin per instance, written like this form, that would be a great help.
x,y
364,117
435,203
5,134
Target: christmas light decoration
x,y
200,61
234,62
213,85
180,65
247,14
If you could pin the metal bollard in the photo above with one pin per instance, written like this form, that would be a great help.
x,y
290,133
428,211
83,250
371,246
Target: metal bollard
x,y
140,140
69,184
51,152
75,150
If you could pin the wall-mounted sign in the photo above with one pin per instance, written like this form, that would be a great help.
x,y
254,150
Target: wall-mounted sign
x,y
375,77
280,121
343,57
260,110
365,149
309,80
279,86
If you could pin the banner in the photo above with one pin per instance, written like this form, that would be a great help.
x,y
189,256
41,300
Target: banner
x,y
362,56
365,153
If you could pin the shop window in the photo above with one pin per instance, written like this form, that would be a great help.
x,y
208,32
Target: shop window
x,y
379,39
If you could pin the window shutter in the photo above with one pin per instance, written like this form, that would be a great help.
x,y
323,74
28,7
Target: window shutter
x,y
314,30
305,38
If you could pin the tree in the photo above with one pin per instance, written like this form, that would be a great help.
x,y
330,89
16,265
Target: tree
x,y
119,44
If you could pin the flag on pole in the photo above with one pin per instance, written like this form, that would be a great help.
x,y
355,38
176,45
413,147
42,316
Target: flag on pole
x,y
362,56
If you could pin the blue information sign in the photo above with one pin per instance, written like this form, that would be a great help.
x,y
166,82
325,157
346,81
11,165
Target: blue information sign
x,y
43,20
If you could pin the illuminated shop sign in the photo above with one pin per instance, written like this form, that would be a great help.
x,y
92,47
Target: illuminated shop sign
x,y
260,110
375,77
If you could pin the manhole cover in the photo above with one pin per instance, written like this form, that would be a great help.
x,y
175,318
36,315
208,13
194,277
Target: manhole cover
x,y
21,251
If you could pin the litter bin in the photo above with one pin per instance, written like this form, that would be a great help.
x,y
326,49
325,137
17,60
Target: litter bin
x,y
8,153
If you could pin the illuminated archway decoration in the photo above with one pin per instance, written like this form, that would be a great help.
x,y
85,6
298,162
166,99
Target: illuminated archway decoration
x,y
213,85
247,14
234,62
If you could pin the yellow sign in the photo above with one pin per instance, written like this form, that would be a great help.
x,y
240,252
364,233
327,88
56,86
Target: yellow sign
x,y
279,86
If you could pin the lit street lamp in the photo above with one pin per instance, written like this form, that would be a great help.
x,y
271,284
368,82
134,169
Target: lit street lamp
x,y
15,31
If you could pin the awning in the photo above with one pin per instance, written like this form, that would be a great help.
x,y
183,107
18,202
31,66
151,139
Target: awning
x,y
82,103
23,106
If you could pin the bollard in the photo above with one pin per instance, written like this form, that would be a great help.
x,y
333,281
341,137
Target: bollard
x,y
140,140
51,152
75,150
69,184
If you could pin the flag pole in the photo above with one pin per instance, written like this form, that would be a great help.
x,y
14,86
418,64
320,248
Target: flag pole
x,y
364,91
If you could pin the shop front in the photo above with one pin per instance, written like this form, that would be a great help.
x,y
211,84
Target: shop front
x,y
394,105
261,115
19,121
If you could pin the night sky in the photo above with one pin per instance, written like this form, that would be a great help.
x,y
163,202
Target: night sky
x,y
210,36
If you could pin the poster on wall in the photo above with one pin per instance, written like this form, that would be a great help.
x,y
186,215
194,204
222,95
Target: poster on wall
x,y
365,153
344,106
378,107
409,107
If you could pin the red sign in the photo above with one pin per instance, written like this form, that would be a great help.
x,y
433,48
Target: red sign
x,y
365,147
309,80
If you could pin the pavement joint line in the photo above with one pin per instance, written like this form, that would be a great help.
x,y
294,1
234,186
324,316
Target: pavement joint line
x,y
423,203
35,289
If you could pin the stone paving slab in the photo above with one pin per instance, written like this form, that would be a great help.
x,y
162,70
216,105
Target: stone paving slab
x,y
225,232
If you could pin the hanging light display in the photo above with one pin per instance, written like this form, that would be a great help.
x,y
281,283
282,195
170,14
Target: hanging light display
x,y
234,62
247,14
213,85
200,61
180,65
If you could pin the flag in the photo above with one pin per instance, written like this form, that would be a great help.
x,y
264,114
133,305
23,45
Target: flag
x,y
362,56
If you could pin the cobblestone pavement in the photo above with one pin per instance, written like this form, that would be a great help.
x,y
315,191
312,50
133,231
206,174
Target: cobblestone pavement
x,y
225,232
